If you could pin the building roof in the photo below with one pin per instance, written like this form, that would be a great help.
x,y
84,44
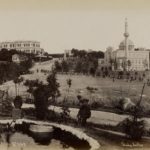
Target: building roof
x,y
129,42
20,41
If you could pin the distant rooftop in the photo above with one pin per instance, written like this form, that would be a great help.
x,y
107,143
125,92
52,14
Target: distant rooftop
x,y
19,41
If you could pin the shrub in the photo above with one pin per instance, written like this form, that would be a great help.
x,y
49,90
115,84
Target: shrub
x,y
96,104
29,111
134,127
7,107
65,114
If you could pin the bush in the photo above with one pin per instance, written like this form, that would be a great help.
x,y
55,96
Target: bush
x,y
115,103
52,116
29,111
41,95
96,104
7,107
134,129
65,114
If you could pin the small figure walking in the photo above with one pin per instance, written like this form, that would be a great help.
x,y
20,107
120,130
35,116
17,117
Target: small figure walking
x,y
84,112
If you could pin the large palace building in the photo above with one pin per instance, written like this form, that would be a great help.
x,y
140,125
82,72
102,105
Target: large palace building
x,y
126,57
24,46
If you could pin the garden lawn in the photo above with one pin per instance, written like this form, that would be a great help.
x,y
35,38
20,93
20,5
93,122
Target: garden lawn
x,y
107,92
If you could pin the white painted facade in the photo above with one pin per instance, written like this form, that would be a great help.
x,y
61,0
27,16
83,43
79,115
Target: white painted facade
x,y
24,46
127,57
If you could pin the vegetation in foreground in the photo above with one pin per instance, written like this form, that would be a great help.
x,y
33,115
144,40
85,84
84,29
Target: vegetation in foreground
x,y
43,93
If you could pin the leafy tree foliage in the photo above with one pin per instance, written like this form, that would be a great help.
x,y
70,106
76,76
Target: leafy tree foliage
x,y
65,66
53,84
10,70
6,55
84,53
7,107
81,61
41,95
17,82
58,66
42,92
78,67
6,104
134,126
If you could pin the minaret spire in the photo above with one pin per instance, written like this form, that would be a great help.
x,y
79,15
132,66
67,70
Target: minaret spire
x,y
126,35
126,25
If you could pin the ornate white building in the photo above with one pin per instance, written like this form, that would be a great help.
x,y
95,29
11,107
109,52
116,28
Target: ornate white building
x,y
24,46
127,57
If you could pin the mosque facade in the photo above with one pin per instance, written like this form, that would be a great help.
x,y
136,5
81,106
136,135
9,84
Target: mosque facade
x,y
126,57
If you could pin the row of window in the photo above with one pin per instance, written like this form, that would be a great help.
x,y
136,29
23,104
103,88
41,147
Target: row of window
x,y
32,51
137,61
19,45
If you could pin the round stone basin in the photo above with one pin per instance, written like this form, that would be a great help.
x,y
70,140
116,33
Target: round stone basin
x,y
19,141
41,132
41,129
28,134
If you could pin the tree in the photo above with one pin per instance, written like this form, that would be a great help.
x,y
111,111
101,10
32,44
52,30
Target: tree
x,y
6,104
82,53
32,85
53,85
7,107
58,66
78,67
65,66
92,71
69,83
85,67
25,66
134,126
41,95
42,92
75,52
65,114
17,82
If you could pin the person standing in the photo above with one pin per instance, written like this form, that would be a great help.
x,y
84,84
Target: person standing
x,y
84,112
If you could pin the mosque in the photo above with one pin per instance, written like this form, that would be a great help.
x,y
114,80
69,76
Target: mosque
x,y
126,57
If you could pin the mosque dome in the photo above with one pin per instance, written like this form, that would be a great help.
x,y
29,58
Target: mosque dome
x,y
130,44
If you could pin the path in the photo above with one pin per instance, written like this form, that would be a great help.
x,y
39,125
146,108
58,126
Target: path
x,y
97,117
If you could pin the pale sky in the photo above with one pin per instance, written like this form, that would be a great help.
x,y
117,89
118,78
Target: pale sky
x,y
82,24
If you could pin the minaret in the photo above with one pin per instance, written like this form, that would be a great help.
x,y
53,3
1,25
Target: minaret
x,y
126,35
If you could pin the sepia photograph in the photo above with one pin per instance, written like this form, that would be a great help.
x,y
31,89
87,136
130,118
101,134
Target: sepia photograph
x,y
75,75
